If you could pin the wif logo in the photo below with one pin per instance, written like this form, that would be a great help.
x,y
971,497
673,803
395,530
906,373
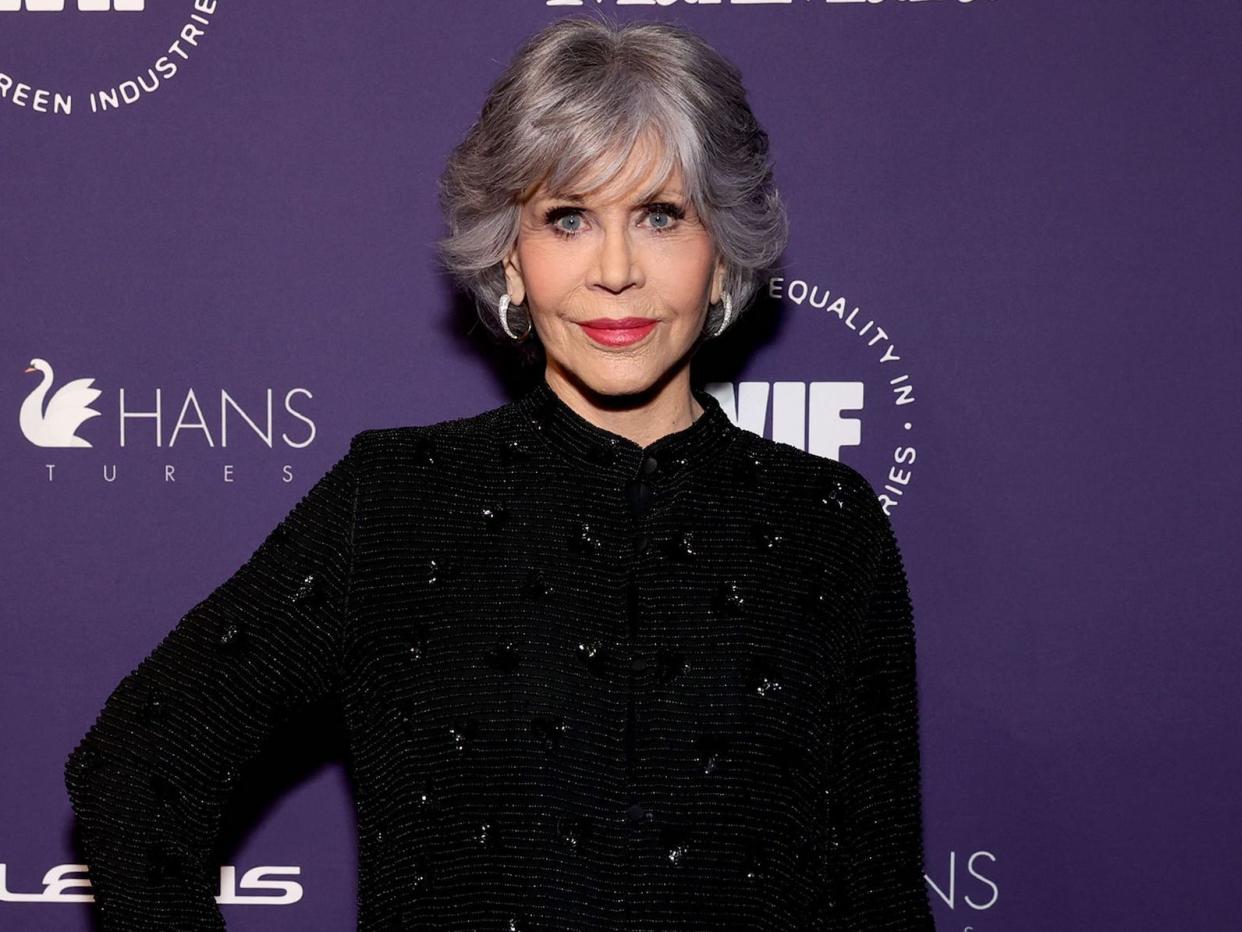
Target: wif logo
x,y
56,6
806,415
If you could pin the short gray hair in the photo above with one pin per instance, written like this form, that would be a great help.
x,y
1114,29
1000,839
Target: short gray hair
x,y
584,89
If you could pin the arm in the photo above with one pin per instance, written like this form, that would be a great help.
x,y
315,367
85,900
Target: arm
x,y
875,801
149,780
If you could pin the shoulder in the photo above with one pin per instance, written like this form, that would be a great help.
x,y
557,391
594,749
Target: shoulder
x,y
454,441
826,507
802,478
798,487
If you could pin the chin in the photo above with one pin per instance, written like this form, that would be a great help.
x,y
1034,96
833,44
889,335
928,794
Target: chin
x,y
621,379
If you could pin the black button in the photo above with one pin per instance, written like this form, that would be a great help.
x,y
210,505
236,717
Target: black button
x,y
638,663
650,465
642,543
637,813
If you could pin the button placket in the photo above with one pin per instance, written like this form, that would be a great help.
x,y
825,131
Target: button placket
x,y
646,482
639,495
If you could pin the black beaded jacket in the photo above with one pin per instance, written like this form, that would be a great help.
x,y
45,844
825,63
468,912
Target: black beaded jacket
x,y
586,685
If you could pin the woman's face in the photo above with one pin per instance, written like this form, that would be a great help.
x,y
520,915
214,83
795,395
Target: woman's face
x,y
606,256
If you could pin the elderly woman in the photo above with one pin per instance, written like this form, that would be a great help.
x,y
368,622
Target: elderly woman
x,y
605,660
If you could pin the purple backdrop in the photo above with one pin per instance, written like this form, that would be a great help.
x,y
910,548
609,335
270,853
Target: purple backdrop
x,y
1032,206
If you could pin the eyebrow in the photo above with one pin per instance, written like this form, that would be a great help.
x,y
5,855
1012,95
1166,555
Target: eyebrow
x,y
660,194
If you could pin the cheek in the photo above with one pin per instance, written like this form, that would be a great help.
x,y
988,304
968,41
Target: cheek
x,y
546,270
685,276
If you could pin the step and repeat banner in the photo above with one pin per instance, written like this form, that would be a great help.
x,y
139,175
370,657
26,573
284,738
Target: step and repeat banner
x,y
1008,300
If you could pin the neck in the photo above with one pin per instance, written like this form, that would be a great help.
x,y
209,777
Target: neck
x,y
643,417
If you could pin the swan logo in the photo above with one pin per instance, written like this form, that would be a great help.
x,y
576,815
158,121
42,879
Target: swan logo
x,y
56,423
180,34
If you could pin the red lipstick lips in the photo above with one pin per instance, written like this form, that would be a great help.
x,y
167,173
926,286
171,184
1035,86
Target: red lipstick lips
x,y
617,331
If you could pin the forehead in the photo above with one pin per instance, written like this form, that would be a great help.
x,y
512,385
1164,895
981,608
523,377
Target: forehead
x,y
646,171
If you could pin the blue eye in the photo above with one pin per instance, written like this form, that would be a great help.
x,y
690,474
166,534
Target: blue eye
x,y
553,216
664,208
571,228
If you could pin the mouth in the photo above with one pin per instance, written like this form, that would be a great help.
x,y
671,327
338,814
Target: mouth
x,y
617,331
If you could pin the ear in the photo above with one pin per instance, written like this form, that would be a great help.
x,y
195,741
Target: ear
x,y
516,285
718,281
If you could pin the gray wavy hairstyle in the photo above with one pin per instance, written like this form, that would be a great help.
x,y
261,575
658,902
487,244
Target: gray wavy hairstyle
x,y
583,91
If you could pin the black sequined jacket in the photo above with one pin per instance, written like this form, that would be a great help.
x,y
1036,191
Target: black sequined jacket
x,y
587,685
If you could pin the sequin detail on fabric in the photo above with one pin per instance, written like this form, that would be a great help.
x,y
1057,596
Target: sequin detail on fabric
x,y
586,684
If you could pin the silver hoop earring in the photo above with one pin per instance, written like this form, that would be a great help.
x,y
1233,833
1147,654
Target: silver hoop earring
x,y
728,313
504,318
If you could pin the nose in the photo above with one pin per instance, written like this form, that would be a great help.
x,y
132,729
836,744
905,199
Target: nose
x,y
617,264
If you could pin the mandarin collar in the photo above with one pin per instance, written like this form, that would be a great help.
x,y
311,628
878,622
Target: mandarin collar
x,y
586,444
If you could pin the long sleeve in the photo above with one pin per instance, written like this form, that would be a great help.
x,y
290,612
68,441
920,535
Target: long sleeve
x,y
149,780
876,805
